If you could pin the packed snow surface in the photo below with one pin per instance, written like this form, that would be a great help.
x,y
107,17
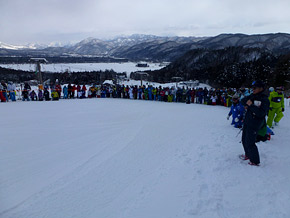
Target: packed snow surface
x,y
117,158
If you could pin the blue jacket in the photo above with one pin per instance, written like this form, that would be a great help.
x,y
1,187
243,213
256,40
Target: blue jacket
x,y
237,110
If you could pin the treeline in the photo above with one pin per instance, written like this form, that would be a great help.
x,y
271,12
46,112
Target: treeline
x,y
96,77
229,67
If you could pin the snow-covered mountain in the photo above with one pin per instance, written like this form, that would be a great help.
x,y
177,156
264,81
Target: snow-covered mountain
x,y
97,47
13,47
154,48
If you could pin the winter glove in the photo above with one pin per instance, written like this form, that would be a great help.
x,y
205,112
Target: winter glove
x,y
283,109
236,119
228,117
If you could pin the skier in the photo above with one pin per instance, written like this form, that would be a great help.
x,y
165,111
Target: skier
x,y
70,90
237,111
65,92
213,99
46,95
83,92
2,98
58,88
79,93
11,89
257,106
150,89
276,107
4,90
54,95
25,92
140,92
188,96
131,96
33,96
40,95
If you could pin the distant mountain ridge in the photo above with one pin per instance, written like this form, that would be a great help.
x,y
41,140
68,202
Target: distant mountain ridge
x,y
154,48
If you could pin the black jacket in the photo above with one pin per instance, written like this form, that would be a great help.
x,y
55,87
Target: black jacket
x,y
255,115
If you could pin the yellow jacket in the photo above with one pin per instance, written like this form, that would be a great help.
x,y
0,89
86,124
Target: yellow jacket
x,y
276,100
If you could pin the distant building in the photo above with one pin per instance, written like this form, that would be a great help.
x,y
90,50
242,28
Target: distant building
x,y
142,65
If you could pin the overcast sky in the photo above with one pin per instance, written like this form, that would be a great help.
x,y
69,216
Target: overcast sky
x,y
44,21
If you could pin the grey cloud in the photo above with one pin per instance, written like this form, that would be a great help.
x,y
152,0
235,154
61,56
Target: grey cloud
x,y
66,20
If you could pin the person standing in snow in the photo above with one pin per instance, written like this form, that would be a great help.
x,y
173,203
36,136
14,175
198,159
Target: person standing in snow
x,y
54,95
4,90
2,98
237,111
79,92
276,107
25,92
213,99
65,92
33,95
83,92
11,89
58,88
40,95
46,94
257,107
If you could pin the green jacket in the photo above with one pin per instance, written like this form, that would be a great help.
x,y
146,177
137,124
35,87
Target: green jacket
x,y
276,100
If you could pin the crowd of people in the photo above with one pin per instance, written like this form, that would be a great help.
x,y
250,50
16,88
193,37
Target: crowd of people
x,y
56,91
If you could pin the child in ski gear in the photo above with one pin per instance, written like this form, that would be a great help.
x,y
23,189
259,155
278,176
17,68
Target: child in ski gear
x,y
58,88
2,98
83,92
46,95
11,89
276,107
54,95
40,95
257,106
33,96
213,99
25,92
4,91
79,93
65,92
237,111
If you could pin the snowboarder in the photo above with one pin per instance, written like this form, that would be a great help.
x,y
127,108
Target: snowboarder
x,y
257,106
276,107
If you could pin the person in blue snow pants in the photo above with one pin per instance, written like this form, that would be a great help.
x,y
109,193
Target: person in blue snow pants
x,y
150,89
200,97
140,93
65,92
237,111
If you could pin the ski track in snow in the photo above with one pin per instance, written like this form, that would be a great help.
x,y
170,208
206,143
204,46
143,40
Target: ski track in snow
x,y
116,158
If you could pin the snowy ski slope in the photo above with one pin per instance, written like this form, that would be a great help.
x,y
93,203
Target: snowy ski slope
x,y
117,158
